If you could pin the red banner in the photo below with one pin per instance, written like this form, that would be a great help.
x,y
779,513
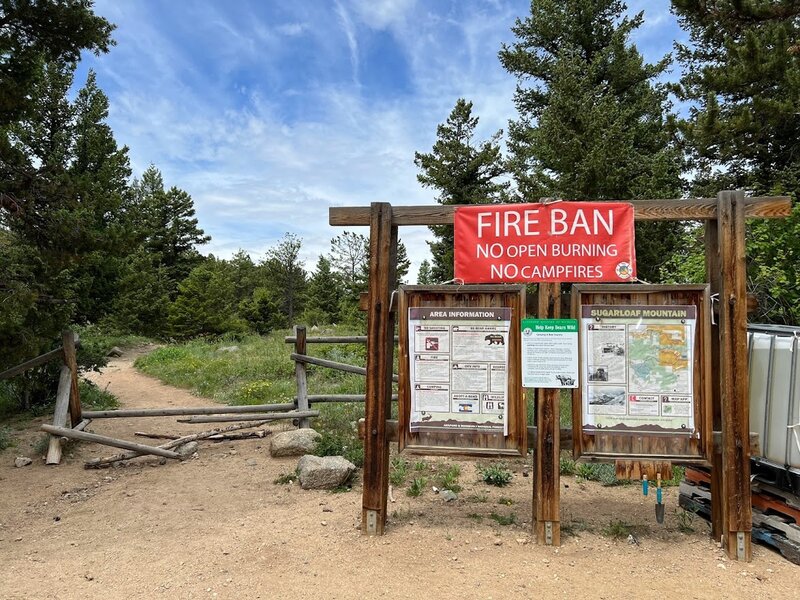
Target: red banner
x,y
556,242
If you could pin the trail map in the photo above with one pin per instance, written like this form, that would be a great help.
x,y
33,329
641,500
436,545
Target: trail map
x,y
638,367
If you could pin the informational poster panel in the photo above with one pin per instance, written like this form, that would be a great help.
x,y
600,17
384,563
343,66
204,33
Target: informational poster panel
x,y
460,385
645,388
639,367
458,367
550,353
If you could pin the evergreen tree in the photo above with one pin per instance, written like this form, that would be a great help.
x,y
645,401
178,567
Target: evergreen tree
x,y
424,276
742,76
286,276
142,302
323,295
463,172
349,258
592,122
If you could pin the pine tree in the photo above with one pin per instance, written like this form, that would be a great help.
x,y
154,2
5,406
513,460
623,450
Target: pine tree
x,y
322,295
286,276
742,76
463,172
592,121
424,276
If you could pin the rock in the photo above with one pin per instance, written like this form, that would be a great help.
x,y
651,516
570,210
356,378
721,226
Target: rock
x,y
449,495
186,450
324,472
22,461
295,442
229,349
115,352
251,462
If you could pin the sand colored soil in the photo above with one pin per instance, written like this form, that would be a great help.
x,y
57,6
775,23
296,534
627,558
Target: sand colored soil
x,y
217,526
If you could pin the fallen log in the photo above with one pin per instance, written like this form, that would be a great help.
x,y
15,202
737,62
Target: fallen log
x,y
298,414
106,460
108,441
243,435
178,412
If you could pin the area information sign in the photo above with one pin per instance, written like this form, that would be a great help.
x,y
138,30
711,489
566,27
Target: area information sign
x,y
531,243
638,363
458,369
550,353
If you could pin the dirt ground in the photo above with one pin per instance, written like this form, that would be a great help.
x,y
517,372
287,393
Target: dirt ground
x,y
217,526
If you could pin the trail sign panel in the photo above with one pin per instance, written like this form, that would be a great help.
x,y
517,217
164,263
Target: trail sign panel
x,y
562,241
458,359
639,363
550,353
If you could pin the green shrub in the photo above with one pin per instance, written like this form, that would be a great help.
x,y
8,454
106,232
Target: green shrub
x,y
496,474
417,486
95,398
504,520
398,470
6,439
447,478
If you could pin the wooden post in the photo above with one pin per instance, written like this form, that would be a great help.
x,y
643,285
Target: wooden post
x,y
70,359
737,527
60,414
300,374
713,277
380,344
546,483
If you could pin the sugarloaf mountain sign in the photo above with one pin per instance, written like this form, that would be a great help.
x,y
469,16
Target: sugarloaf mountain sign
x,y
587,242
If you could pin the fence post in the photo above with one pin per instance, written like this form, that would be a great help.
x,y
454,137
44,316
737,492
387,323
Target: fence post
x,y
301,374
70,359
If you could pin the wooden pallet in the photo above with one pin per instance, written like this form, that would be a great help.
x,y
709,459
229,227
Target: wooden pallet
x,y
774,530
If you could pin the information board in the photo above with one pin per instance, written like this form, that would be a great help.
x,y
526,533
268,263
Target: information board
x,y
460,384
550,353
638,363
458,368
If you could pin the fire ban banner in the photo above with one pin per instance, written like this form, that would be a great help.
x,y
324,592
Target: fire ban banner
x,y
588,242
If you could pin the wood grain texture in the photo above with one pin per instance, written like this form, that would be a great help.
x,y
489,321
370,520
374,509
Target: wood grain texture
x,y
733,374
546,481
300,374
68,340
714,276
60,415
108,441
610,444
380,332
765,207
470,442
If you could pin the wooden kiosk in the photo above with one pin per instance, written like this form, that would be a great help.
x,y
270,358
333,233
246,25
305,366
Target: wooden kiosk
x,y
727,387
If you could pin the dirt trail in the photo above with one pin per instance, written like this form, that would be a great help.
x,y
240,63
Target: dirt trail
x,y
218,527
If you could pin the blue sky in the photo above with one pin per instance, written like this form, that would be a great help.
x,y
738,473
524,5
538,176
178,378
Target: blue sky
x,y
269,112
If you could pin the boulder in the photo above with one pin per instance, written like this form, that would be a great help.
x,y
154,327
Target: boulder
x,y
22,461
115,352
324,472
294,442
186,450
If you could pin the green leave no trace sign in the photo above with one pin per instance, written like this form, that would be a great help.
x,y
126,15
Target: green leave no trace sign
x,y
550,353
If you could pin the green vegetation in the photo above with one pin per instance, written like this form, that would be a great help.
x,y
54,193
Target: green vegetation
x,y
566,464
574,526
505,501
446,477
685,520
6,439
620,530
602,472
504,520
398,470
417,486
285,479
94,398
496,474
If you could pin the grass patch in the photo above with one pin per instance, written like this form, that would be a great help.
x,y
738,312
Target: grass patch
x,y
602,472
685,520
496,474
421,466
417,486
475,517
479,498
446,477
6,439
566,464
505,501
620,530
574,526
94,398
285,479
504,520
398,471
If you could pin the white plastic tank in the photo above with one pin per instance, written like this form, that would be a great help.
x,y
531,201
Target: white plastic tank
x,y
774,365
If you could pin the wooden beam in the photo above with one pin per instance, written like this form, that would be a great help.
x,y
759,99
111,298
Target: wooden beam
x,y
68,344
332,339
323,362
300,374
182,412
546,476
701,209
60,415
380,346
108,441
30,364
275,416
734,403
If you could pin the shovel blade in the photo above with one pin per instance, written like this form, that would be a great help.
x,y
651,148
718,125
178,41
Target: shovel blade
x,y
660,513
